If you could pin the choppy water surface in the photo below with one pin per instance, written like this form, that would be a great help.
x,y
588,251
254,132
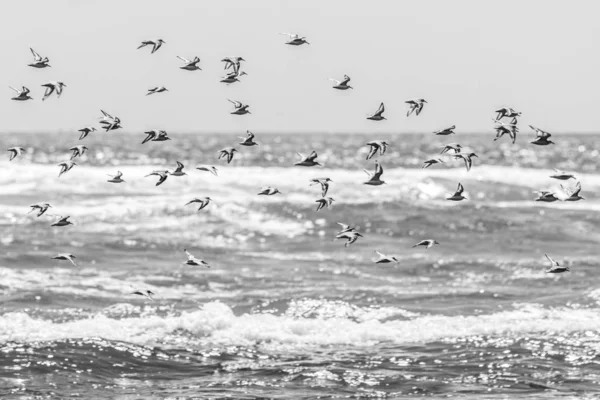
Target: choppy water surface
x,y
285,311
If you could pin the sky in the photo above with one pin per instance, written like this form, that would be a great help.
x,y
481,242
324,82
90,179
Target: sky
x,y
466,57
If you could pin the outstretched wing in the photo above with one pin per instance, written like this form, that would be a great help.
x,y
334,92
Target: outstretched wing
x,y
380,110
552,261
312,156
185,60
460,189
36,56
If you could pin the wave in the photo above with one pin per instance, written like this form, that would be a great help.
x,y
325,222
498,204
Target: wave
x,y
215,323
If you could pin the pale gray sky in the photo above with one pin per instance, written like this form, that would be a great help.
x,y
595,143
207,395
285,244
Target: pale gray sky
x,y
466,57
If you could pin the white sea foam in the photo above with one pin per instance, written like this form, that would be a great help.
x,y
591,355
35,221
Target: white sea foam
x,y
216,323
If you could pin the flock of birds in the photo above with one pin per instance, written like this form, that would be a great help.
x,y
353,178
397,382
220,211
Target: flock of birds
x,y
455,150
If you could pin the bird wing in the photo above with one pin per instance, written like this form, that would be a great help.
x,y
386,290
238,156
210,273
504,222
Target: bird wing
x,y
107,114
237,104
460,189
380,110
551,260
250,135
312,156
345,81
36,56
18,91
577,189
378,172
179,166
185,60
336,81
343,226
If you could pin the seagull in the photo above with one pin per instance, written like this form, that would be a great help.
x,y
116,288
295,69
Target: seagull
x,y
324,182
248,140
66,257
208,168
506,112
345,228
351,236
63,221
380,145
86,131
324,202
51,87
42,207
117,178
268,191
179,170
77,151
383,259
416,106
156,43
541,137
15,152
377,116
562,175
295,39
427,243
22,95
157,89
308,161
458,195
510,128
429,163
573,195
375,178
145,293
546,196
38,61
163,175
190,65
65,167
228,153
194,261
232,62
240,108
203,202
466,158
447,131
233,77
555,267
343,84
451,146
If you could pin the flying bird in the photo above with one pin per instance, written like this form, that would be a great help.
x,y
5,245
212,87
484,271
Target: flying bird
x,y
467,158
227,153
573,195
562,175
506,112
240,108
42,207
179,170
308,161
204,202
427,243
77,151
153,136
451,146
375,177
117,178
378,114
376,145
63,221
65,167
432,161
196,262
190,65
383,259
156,43
458,195
295,39
547,196
345,228
324,202
162,176
86,131
350,236
15,152
65,257
51,87
343,84
22,95
232,62
268,191
248,140
233,77
157,89
324,182
555,267
38,61
511,129
416,106
541,137
208,168
447,131
145,293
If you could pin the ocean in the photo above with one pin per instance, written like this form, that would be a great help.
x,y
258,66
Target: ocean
x,y
286,311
